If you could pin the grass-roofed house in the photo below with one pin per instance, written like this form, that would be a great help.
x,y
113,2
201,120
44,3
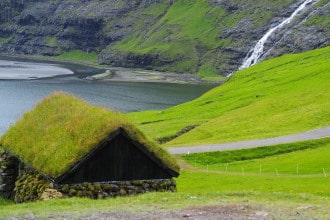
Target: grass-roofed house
x,y
67,147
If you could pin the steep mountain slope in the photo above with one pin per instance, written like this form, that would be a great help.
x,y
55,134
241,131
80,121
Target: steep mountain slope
x,y
280,96
200,36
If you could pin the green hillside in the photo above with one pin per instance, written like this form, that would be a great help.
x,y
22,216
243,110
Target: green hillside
x,y
203,37
281,96
188,35
277,190
306,159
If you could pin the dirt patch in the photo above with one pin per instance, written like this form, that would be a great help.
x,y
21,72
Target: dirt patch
x,y
223,212
226,212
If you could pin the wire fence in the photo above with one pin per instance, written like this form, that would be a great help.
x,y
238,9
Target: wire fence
x,y
263,170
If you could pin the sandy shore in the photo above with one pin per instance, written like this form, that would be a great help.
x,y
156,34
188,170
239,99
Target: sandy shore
x,y
26,70
21,70
137,75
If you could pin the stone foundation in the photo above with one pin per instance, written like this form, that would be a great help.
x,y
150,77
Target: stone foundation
x,y
22,184
8,174
116,188
31,186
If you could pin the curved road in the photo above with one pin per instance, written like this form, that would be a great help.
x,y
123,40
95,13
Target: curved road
x,y
305,136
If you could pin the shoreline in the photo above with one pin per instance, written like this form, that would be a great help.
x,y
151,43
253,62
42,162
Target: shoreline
x,y
91,71
80,69
119,74
17,70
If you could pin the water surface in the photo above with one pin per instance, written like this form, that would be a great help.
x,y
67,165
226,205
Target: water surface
x,y
19,96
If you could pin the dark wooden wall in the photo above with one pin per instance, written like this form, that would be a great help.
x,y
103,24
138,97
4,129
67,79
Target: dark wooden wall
x,y
117,160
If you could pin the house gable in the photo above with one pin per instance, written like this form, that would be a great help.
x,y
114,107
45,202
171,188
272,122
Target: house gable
x,y
117,158
61,130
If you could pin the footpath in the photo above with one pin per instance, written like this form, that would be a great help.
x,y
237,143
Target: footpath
x,y
305,136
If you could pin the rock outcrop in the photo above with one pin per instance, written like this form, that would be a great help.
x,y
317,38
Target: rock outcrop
x,y
307,33
146,34
53,27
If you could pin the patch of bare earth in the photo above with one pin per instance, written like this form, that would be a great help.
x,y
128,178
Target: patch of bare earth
x,y
221,212
232,212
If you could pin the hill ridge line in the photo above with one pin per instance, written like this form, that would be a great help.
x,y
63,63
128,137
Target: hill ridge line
x,y
303,136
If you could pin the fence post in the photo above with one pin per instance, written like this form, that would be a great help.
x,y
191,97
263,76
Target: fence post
x,y
277,173
297,169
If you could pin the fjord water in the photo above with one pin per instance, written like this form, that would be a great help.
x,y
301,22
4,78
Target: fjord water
x,y
19,96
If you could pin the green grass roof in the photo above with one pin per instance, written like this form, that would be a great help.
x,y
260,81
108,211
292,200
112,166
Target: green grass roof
x,y
62,129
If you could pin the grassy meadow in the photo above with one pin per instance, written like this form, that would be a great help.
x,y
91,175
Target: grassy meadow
x,y
282,195
302,158
78,55
281,96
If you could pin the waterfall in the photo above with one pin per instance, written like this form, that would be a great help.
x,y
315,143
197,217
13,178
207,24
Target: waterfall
x,y
255,54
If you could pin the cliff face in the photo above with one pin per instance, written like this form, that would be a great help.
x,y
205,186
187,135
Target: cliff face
x,y
201,36
53,27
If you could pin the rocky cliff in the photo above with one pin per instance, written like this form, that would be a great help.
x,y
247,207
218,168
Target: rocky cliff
x,y
206,37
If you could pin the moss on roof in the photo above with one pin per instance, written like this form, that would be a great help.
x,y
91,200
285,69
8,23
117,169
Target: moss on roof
x,y
62,129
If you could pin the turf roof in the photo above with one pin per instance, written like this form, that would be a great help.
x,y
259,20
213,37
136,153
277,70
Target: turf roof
x,y
62,129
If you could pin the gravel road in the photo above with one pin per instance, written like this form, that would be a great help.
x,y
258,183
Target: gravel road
x,y
309,135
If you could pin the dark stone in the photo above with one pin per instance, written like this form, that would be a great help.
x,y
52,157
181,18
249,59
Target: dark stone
x,y
6,195
114,188
7,180
6,187
145,186
7,172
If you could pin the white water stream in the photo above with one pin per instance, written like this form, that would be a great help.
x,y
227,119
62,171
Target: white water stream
x,y
255,54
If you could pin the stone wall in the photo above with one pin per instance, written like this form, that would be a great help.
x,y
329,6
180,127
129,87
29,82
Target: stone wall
x,y
8,174
29,185
32,186
116,188
22,184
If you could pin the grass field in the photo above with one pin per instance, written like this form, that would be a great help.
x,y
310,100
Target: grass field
x,y
285,95
78,55
277,203
186,37
280,96
297,159
281,193
269,169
